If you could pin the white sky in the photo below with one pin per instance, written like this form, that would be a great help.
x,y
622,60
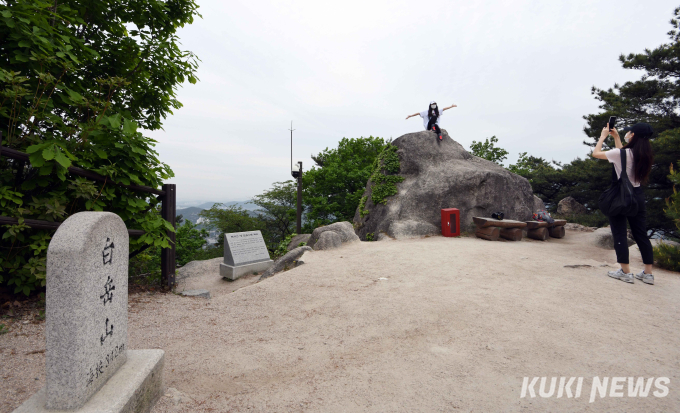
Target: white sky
x,y
520,70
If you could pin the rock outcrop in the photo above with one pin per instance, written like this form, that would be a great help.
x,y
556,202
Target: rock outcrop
x,y
439,175
288,261
538,204
602,238
295,242
569,206
332,236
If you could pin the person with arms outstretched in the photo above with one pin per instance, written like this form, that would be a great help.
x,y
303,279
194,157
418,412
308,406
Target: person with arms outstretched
x,y
431,118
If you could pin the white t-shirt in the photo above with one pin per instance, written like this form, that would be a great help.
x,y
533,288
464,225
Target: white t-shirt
x,y
426,119
614,156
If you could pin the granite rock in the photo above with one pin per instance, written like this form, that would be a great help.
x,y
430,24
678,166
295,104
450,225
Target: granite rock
x,y
328,241
440,175
344,230
196,293
602,238
295,242
86,307
538,204
569,206
289,260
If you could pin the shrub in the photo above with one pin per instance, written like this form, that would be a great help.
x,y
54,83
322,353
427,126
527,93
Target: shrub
x,y
593,219
282,248
667,256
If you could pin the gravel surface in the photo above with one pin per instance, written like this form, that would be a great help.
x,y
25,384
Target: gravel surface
x,y
424,325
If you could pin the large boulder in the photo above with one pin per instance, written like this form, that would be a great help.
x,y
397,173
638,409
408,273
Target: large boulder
x,y
569,206
327,241
602,238
338,233
441,175
538,204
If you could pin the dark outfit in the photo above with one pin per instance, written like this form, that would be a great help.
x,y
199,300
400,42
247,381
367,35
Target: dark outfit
x,y
638,226
432,123
638,223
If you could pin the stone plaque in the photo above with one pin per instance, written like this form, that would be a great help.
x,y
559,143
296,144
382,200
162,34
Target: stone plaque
x,y
243,248
86,307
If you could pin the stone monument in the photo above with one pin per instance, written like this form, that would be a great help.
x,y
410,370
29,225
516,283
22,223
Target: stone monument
x,y
244,253
89,367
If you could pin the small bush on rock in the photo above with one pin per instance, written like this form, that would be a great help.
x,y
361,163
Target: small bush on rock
x,y
384,176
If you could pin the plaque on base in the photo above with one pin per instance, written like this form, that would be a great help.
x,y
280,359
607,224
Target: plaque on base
x,y
244,253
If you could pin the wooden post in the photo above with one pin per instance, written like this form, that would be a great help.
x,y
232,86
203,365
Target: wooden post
x,y
298,229
490,233
168,212
557,232
540,234
512,234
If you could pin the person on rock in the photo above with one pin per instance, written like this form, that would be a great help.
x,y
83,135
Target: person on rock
x,y
639,160
431,118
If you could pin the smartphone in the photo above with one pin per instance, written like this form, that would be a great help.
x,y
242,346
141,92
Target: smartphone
x,y
612,122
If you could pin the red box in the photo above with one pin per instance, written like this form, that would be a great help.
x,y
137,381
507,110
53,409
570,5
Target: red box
x,y
451,222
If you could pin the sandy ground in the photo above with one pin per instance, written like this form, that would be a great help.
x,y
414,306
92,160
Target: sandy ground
x,y
426,325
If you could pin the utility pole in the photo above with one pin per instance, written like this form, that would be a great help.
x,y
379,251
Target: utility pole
x,y
299,202
297,173
291,145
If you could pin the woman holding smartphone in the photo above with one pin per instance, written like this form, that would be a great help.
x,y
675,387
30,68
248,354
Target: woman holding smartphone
x,y
431,118
639,160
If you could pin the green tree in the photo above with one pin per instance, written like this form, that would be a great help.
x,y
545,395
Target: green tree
x,y
488,150
654,99
189,241
230,219
333,188
76,81
673,201
667,255
278,212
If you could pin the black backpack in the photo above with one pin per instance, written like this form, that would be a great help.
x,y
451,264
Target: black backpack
x,y
619,198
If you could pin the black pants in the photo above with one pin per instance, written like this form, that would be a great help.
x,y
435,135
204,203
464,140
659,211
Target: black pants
x,y
432,123
638,227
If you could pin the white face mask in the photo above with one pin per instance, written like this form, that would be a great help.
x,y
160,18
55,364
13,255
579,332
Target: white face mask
x,y
433,106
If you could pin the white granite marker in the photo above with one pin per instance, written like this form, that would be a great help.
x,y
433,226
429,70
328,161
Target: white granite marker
x,y
86,319
244,253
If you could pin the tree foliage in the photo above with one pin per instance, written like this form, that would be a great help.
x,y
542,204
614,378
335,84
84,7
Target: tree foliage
x,y
77,80
668,255
489,151
278,212
230,219
333,188
654,99
189,241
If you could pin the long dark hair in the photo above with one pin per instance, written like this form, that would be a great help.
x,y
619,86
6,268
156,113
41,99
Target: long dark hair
x,y
436,111
643,157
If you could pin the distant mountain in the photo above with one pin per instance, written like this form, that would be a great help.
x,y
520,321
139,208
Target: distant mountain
x,y
207,205
192,214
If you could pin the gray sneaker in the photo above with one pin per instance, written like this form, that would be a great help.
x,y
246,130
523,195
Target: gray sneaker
x,y
620,275
645,278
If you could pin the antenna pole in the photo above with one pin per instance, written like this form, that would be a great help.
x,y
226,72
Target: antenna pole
x,y
291,144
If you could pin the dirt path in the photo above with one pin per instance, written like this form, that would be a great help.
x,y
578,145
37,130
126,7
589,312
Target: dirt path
x,y
435,324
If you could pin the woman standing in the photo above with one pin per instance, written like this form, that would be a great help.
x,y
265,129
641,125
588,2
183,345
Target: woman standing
x,y
639,159
431,118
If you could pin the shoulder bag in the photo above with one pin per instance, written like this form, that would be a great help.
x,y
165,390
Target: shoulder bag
x,y
619,198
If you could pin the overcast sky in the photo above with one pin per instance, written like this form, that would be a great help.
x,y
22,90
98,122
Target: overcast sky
x,y
519,70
